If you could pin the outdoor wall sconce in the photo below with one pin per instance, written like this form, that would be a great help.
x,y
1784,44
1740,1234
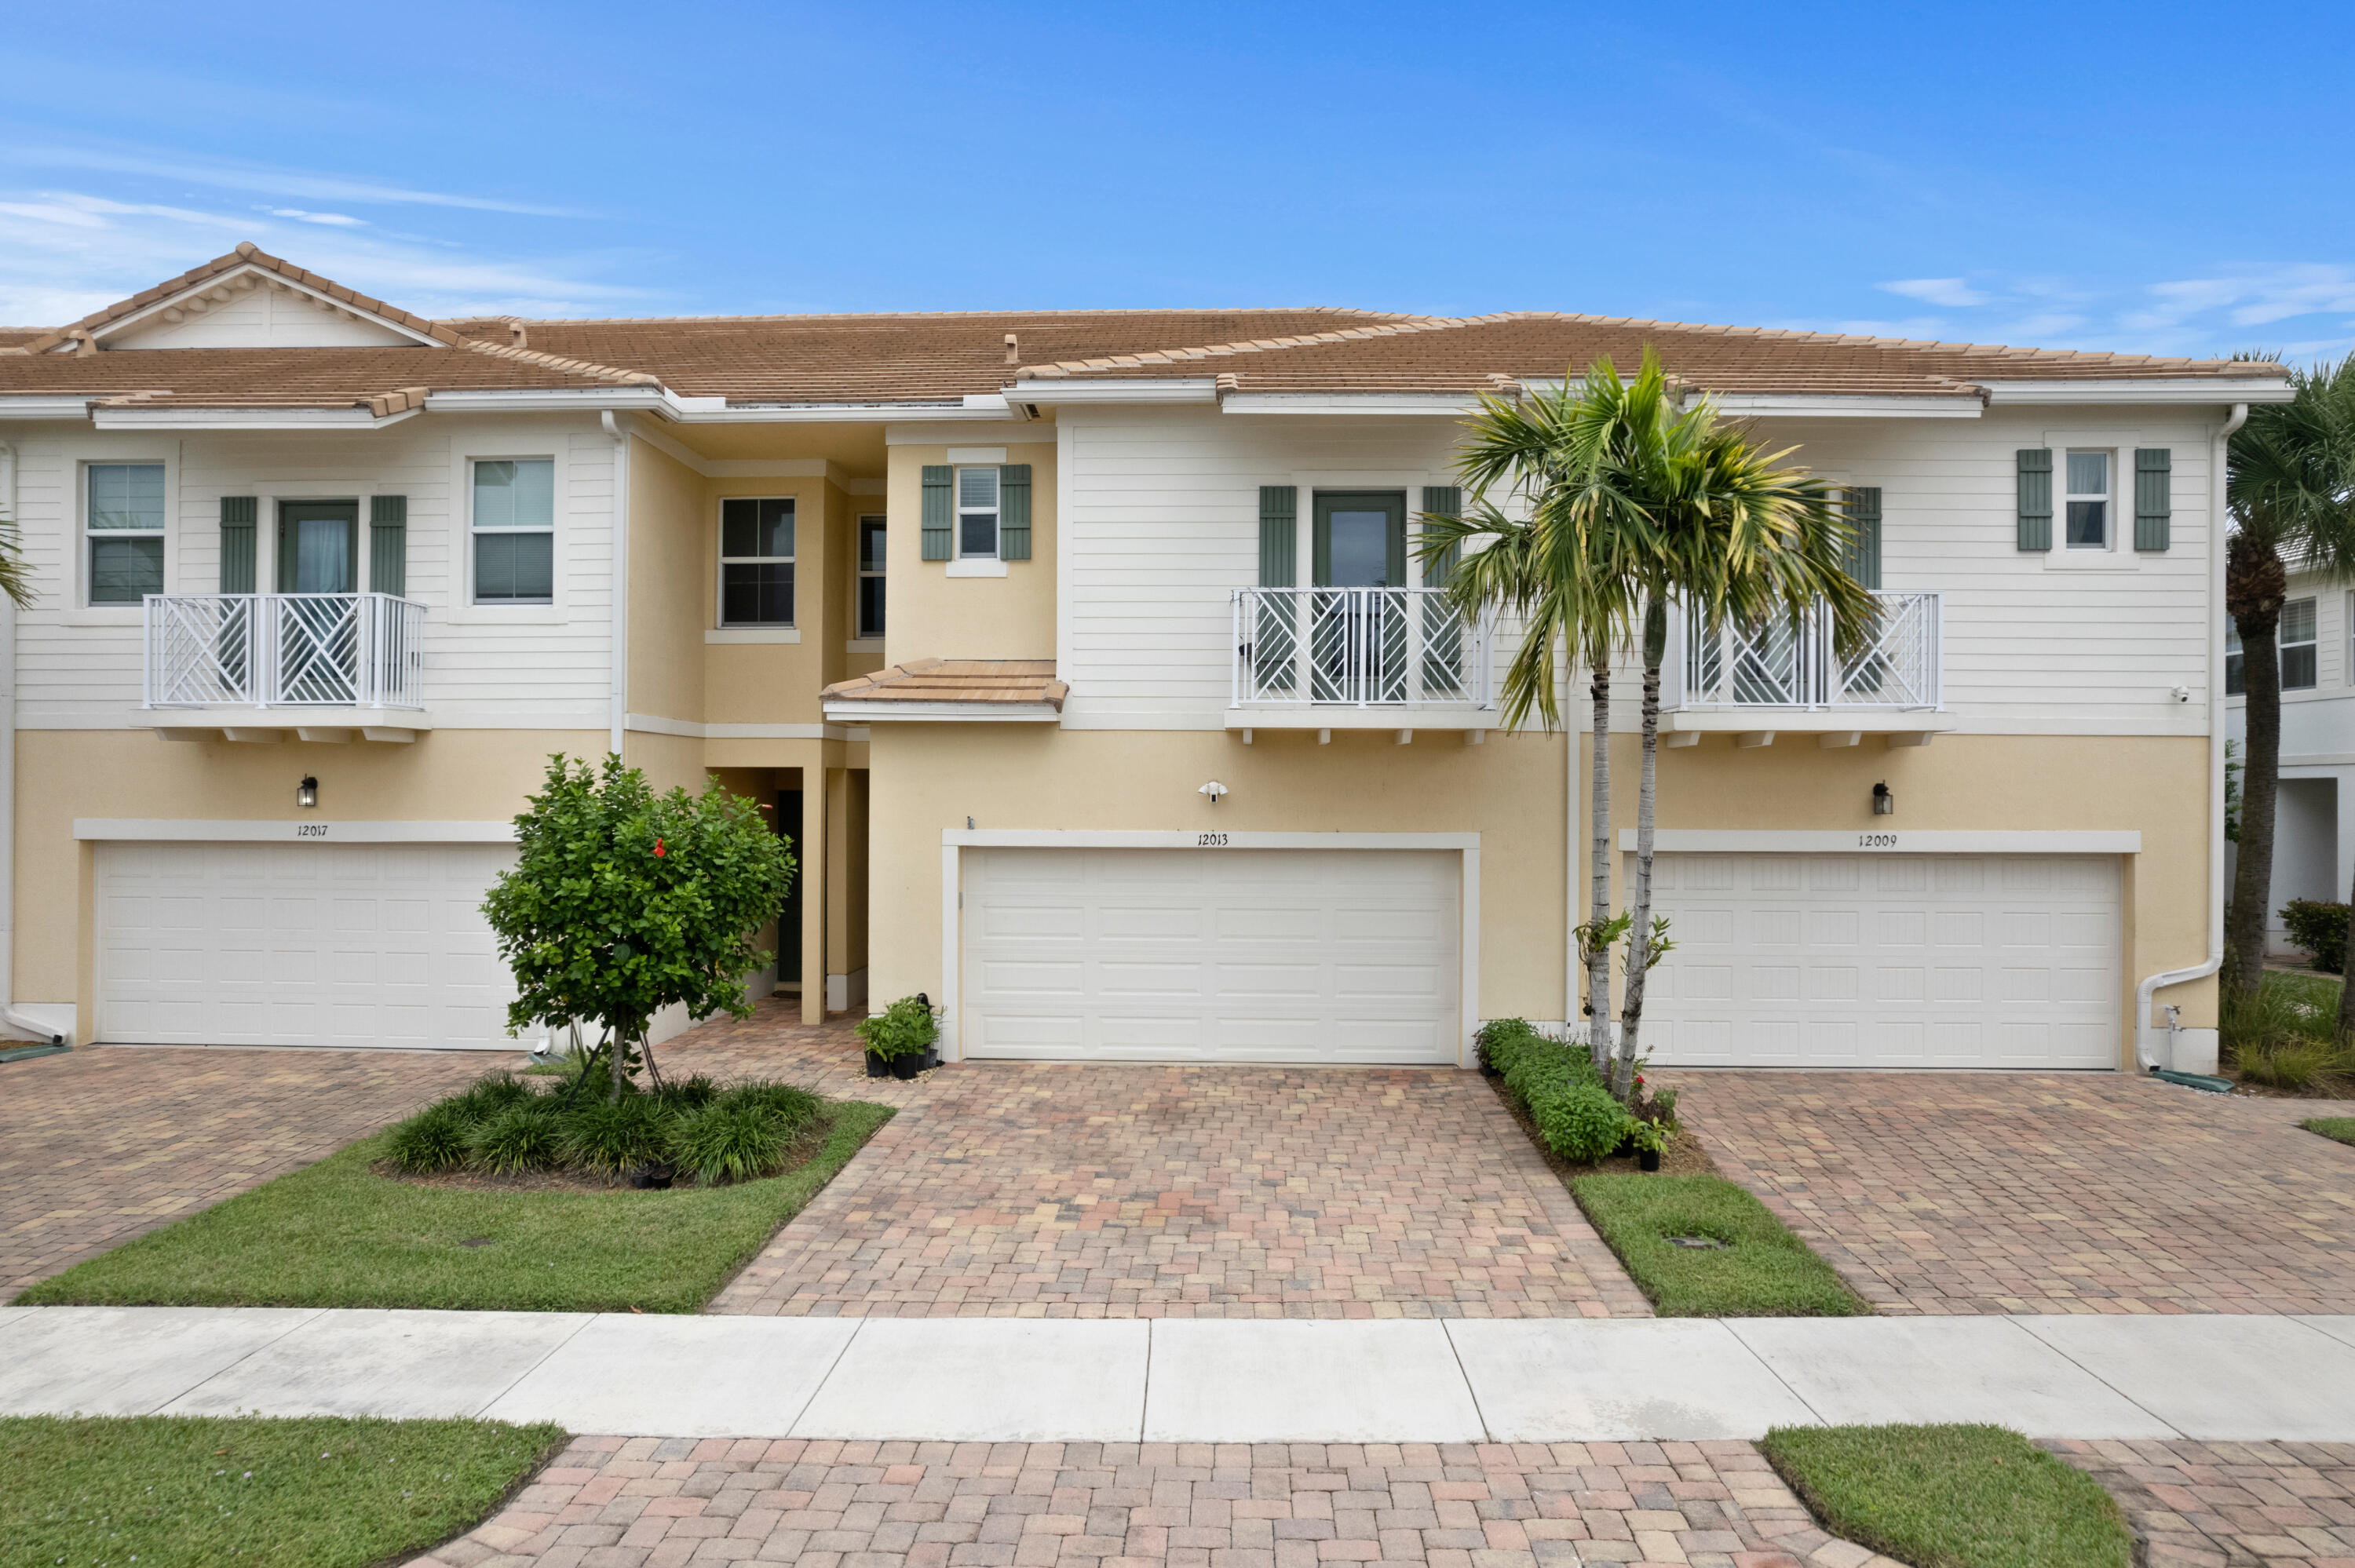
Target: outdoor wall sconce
x,y
1213,790
1884,804
306,793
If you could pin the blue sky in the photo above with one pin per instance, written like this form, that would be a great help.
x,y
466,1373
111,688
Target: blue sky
x,y
2156,177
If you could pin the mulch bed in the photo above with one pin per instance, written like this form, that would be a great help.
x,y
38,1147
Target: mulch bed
x,y
797,1153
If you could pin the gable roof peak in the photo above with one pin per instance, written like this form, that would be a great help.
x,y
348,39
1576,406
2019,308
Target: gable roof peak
x,y
82,336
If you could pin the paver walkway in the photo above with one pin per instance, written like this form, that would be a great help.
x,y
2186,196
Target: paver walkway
x,y
643,1502
2230,1505
1959,1192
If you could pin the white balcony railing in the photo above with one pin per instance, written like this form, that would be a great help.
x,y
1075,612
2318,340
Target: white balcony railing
x,y
1360,647
1780,665
283,650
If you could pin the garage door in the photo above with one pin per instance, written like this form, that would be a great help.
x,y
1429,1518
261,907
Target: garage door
x,y
300,943
1226,955
1863,960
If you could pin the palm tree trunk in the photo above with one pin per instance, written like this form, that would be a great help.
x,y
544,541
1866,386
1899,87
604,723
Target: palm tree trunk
x,y
2255,587
2347,988
1598,955
1640,901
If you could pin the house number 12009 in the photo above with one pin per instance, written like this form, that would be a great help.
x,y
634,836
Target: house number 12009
x,y
1211,840
1876,840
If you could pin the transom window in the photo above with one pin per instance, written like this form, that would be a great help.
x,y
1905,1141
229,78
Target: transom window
x,y
756,561
2089,500
976,497
514,531
870,576
2297,645
126,529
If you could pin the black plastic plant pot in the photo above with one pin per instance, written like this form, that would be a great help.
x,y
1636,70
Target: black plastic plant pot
x,y
932,1058
1488,1071
656,1176
1626,1146
907,1067
1650,1160
877,1066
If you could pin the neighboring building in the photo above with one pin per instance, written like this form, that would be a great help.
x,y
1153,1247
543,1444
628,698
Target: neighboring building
x,y
287,533
2314,838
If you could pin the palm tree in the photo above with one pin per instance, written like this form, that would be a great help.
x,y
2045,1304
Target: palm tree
x,y
2290,484
16,579
1632,504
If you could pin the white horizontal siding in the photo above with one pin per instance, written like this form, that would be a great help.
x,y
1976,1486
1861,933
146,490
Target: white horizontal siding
x,y
526,667
1160,523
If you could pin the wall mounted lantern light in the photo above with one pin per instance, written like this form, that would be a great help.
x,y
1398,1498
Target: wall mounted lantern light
x,y
1884,804
306,793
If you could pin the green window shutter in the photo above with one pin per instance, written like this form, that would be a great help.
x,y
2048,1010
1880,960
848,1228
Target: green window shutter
x,y
940,509
238,516
1863,561
1279,535
1446,501
388,545
2035,498
2154,496
1013,511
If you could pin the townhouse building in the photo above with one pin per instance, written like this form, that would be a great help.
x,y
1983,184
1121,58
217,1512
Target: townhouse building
x,y
1087,658
2314,839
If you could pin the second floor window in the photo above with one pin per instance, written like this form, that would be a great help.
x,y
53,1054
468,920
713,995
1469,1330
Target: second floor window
x,y
2089,500
756,562
514,531
976,498
126,529
2297,646
870,576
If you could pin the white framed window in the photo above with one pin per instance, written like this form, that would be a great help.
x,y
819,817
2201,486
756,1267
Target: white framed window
x,y
2087,500
2297,646
976,513
515,530
756,561
123,522
872,536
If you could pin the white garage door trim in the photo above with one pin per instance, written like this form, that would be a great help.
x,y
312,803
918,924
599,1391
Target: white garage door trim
x,y
201,830
1207,842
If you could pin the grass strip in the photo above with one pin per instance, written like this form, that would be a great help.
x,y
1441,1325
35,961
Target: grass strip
x,y
1761,1271
339,1234
2341,1127
244,1492
1951,1497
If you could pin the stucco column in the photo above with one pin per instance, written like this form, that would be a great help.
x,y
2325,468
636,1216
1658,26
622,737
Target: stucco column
x,y
812,854
838,882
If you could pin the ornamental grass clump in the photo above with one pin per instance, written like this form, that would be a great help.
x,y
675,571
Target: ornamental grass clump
x,y
793,1105
523,1137
434,1139
688,1093
729,1143
602,1136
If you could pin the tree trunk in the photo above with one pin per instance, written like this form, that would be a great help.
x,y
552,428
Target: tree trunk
x,y
1639,900
619,1049
2254,586
1598,957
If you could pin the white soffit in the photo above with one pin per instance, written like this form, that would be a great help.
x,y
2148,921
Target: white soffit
x,y
2217,391
1445,405
1827,405
180,419
1134,389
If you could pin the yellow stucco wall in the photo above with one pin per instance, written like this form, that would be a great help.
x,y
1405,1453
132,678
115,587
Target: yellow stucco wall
x,y
935,616
668,589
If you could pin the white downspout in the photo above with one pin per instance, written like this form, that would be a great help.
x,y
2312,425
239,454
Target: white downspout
x,y
2145,1056
15,1020
621,631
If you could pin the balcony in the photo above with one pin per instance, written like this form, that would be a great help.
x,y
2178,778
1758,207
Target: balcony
x,y
1755,681
356,657
1358,658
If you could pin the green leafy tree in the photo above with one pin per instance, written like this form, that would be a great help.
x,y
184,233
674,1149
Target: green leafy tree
x,y
623,902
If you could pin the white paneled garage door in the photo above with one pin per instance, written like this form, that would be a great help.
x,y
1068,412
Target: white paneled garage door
x,y
1229,955
1868,960
300,943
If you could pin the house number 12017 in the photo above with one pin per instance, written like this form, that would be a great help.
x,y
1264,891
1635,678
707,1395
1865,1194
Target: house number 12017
x,y
309,830
1876,840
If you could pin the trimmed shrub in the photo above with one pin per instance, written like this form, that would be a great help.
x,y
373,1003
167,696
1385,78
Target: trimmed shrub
x,y
688,1093
2320,928
523,1137
488,1096
600,1135
433,1140
790,1103
906,1028
1501,1038
729,1143
1580,1121
1534,1064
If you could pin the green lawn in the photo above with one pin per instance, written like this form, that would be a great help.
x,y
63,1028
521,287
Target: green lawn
x,y
2341,1127
199,1492
337,1234
1763,1272
1951,1497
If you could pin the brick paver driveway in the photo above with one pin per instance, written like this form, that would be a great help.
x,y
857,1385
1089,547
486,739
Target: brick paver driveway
x,y
2043,1192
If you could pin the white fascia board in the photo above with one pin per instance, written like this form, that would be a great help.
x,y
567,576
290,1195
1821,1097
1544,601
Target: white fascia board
x,y
2217,391
310,830
1444,405
839,413
1772,404
1886,841
74,408
567,399
1133,389
244,418
943,713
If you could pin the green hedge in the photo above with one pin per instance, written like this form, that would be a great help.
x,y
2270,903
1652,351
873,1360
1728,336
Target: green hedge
x,y
1556,1083
2320,928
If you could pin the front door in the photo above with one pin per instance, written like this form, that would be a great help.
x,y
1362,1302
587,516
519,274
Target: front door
x,y
318,546
1357,632
318,637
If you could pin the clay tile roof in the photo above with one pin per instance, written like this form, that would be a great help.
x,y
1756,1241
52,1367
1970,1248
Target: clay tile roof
x,y
1027,681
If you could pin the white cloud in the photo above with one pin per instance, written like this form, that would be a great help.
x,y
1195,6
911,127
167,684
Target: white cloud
x,y
225,173
1954,293
335,219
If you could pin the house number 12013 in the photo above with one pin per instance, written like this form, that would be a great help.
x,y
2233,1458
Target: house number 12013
x,y
1876,840
1211,840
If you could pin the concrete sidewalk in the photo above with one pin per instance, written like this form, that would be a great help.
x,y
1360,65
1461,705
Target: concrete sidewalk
x,y
2214,1378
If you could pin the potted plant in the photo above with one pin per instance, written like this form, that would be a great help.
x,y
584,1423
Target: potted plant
x,y
898,1037
1649,1139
